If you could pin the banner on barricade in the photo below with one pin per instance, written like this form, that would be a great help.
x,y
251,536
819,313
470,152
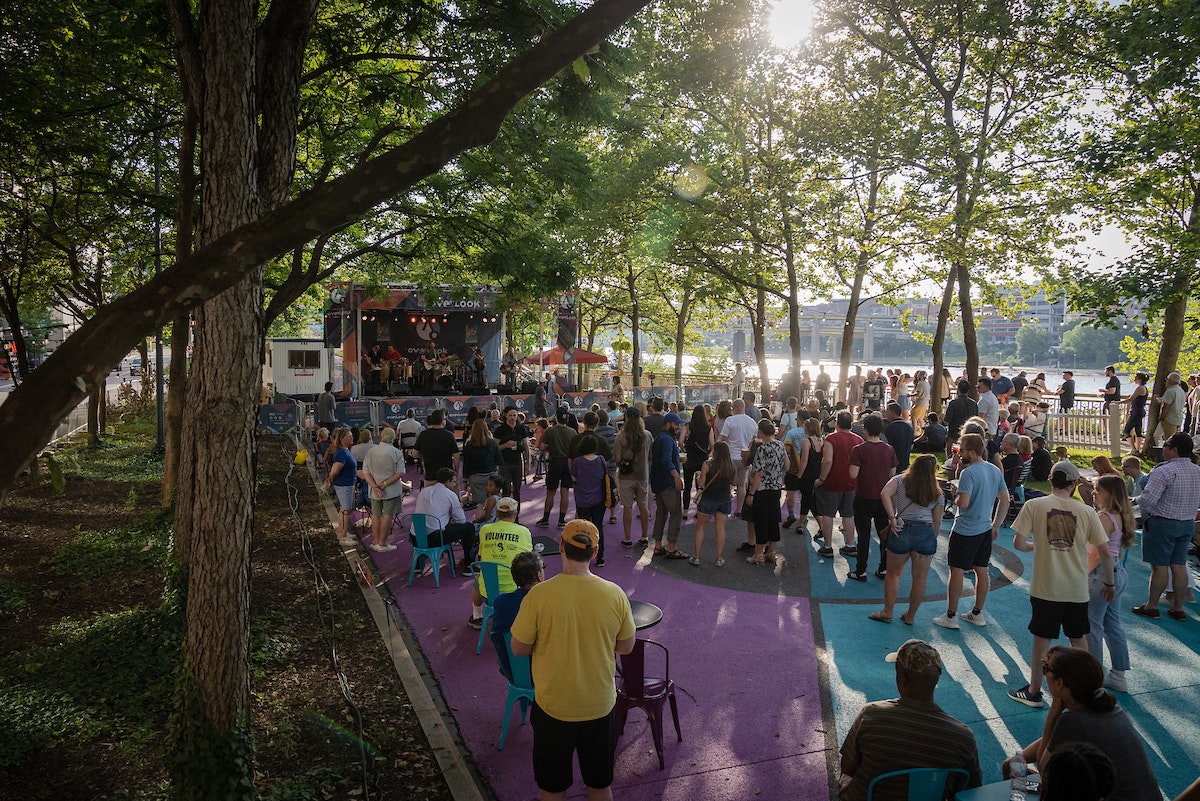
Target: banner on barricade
x,y
393,410
456,406
278,418
353,413
643,394
523,404
705,393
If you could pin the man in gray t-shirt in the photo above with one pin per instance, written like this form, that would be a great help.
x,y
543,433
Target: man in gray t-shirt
x,y
326,404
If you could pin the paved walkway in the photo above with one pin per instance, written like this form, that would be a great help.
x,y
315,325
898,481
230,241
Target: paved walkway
x,y
772,665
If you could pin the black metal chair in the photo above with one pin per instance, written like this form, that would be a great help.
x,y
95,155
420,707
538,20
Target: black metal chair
x,y
635,689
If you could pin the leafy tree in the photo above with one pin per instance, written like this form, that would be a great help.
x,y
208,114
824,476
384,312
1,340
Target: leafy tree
x,y
1032,343
1092,346
1141,153
992,126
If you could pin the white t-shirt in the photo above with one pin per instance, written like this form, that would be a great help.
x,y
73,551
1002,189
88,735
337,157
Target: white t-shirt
x,y
739,431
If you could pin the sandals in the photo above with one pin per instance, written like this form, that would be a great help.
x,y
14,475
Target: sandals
x,y
1176,614
676,554
881,617
755,560
1147,611
908,622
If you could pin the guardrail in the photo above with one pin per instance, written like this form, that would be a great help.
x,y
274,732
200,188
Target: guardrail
x,y
1086,426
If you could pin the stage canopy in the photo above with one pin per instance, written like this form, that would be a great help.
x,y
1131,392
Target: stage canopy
x,y
556,355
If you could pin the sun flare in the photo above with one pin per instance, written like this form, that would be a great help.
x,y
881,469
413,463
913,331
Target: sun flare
x,y
791,21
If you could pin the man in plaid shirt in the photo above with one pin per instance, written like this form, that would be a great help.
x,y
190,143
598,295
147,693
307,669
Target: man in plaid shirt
x,y
1169,504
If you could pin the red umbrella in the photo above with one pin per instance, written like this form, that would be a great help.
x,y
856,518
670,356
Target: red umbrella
x,y
555,355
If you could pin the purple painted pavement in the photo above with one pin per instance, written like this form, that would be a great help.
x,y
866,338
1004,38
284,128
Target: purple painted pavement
x,y
744,665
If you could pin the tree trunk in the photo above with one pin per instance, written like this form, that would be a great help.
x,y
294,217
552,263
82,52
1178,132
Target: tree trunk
x,y
1174,320
215,507
759,336
861,267
939,338
635,322
681,322
181,326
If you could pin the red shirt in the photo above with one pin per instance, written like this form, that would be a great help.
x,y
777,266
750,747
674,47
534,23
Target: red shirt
x,y
876,464
842,443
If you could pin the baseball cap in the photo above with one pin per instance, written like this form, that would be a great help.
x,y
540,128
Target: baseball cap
x,y
506,505
671,417
633,411
916,656
1068,469
581,534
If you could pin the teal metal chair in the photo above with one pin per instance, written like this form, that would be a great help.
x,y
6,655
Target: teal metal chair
x,y
491,587
421,526
520,688
925,784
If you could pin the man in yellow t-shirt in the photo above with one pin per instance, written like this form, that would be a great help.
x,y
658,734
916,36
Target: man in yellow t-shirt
x,y
500,542
1061,528
573,624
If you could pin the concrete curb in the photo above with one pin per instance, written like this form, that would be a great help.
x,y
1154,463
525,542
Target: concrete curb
x,y
436,721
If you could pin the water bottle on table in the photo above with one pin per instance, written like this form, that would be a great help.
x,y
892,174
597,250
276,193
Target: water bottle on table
x,y
1017,771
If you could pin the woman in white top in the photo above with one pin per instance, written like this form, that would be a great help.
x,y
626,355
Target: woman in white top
x,y
1116,515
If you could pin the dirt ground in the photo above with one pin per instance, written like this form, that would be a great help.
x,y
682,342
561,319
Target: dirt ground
x,y
305,731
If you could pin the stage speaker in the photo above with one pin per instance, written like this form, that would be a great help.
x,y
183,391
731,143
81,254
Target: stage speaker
x,y
528,387
373,389
400,388
480,390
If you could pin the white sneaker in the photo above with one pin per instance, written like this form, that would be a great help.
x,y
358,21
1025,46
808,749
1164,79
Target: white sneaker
x,y
973,619
1115,681
382,548
348,541
946,622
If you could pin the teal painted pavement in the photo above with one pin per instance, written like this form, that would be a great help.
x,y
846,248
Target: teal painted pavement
x,y
983,664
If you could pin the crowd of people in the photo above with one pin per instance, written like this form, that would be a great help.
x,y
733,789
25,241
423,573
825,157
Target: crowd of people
x,y
889,463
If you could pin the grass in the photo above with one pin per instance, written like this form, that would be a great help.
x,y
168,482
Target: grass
x,y
96,553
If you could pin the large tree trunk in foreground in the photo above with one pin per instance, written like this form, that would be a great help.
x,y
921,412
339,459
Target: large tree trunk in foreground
x,y
33,410
214,511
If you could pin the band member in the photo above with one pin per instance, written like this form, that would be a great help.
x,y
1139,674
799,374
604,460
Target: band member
x,y
508,369
479,366
429,366
393,365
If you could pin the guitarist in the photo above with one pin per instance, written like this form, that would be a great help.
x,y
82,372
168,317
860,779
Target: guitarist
x,y
508,368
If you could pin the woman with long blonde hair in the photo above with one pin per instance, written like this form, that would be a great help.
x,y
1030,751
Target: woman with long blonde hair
x,y
1116,515
715,484
914,503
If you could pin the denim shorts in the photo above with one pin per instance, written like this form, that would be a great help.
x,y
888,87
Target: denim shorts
x,y
709,507
915,536
1166,541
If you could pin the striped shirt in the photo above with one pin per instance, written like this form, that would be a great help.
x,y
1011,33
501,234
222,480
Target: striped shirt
x,y
904,733
1172,491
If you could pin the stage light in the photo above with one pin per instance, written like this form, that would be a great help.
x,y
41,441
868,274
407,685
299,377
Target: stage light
x,y
412,320
423,320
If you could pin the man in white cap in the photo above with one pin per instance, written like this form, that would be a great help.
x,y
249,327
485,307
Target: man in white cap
x,y
883,736
1061,528
499,542
383,468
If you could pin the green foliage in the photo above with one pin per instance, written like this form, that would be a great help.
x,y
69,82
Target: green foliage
x,y
1143,354
108,676
58,481
94,554
1092,347
1032,343
128,454
712,361
12,597
315,784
